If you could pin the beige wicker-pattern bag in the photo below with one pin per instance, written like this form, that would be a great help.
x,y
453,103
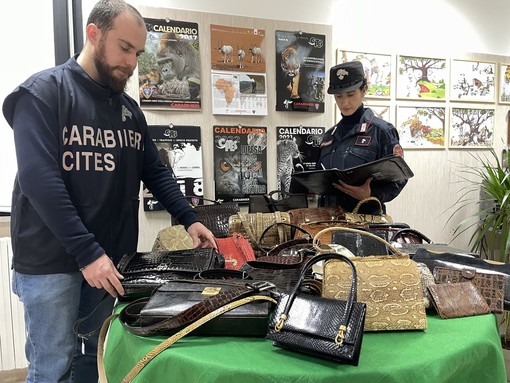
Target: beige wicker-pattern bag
x,y
252,225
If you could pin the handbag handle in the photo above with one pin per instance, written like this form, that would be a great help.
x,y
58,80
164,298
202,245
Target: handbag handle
x,y
279,224
351,299
214,202
271,202
364,200
169,341
316,242
404,231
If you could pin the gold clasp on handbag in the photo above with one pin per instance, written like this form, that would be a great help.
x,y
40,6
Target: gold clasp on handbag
x,y
279,325
339,339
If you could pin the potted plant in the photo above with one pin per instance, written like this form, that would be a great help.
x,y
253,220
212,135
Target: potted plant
x,y
487,185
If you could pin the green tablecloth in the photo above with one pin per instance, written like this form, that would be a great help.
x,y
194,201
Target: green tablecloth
x,y
463,350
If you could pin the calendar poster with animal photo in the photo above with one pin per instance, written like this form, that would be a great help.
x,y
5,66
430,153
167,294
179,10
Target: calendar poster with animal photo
x,y
240,162
180,150
297,150
300,71
238,71
169,69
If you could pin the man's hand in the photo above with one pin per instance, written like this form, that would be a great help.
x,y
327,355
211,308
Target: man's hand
x,y
358,192
102,273
202,236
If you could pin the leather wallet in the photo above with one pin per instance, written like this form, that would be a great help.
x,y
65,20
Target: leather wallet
x,y
456,300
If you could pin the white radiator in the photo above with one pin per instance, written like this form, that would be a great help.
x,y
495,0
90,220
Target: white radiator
x,y
12,324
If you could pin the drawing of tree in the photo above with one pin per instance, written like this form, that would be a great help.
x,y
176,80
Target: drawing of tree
x,y
472,127
421,77
422,127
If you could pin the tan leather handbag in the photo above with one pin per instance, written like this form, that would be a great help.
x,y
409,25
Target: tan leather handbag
x,y
390,285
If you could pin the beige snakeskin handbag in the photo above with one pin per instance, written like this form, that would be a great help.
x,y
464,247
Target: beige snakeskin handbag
x,y
173,238
390,285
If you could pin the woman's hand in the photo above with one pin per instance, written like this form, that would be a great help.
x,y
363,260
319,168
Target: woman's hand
x,y
358,192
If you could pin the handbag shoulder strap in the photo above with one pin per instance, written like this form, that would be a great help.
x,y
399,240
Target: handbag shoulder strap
x,y
214,202
248,228
129,313
170,340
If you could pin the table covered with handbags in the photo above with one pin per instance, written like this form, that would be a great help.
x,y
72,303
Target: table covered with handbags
x,y
380,296
455,350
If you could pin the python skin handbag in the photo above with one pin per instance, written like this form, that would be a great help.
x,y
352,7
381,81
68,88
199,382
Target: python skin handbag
x,y
390,285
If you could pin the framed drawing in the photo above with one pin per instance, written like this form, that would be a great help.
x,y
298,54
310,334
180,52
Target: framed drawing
x,y
377,69
472,81
421,127
421,78
381,111
471,128
504,84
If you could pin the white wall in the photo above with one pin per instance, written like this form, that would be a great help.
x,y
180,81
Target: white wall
x,y
26,28
437,27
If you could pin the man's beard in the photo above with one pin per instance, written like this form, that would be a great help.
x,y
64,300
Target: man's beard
x,y
105,71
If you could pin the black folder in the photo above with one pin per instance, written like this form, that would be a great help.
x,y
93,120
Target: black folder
x,y
392,168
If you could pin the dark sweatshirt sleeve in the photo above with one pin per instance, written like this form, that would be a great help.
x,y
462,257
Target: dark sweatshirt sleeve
x,y
40,180
159,180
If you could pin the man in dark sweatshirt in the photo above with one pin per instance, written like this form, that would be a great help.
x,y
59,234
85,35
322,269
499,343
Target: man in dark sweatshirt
x,y
83,149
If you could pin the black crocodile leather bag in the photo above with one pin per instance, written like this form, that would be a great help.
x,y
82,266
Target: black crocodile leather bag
x,y
322,327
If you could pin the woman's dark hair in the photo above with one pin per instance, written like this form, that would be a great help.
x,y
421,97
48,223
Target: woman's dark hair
x,y
105,11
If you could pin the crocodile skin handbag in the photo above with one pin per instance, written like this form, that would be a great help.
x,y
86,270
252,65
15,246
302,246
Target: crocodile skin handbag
x,y
326,328
214,215
144,271
178,303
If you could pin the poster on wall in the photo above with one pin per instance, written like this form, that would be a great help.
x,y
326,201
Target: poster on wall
x,y
238,71
240,162
297,150
377,68
169,69
471,127
504,84
473,81
421,127
421,78
300,71
180,149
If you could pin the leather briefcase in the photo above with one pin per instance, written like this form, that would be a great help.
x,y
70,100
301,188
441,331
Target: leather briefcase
x,y
165,313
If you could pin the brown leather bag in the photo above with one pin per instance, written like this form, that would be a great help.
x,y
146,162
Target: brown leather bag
x,y
315,214
456,300
491,286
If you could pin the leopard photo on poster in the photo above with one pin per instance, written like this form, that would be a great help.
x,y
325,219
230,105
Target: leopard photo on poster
x,y
300,71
